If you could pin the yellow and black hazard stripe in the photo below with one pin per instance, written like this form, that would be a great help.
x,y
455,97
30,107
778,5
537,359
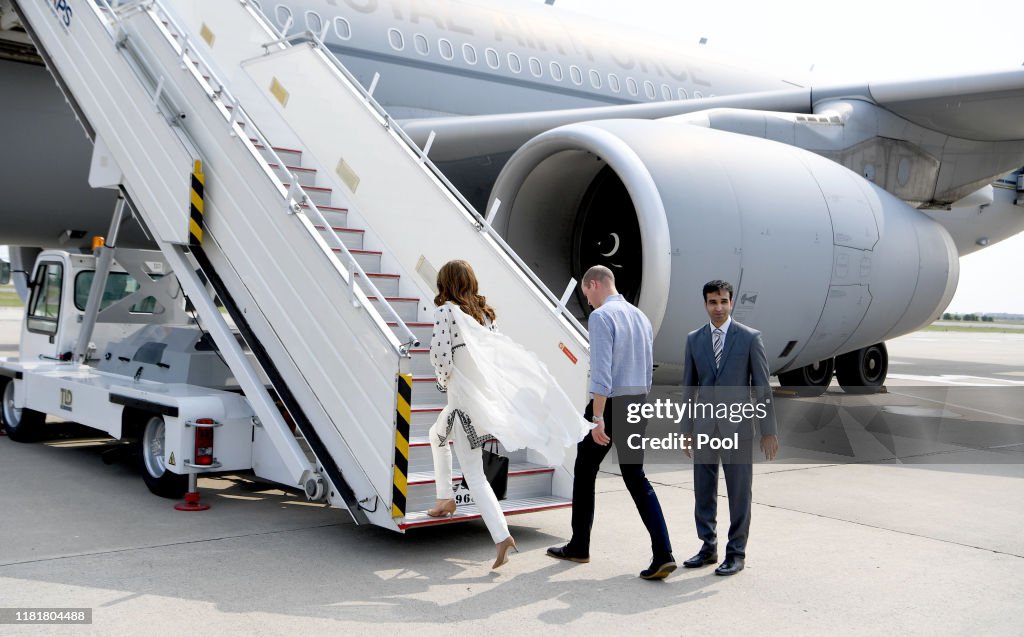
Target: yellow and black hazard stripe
x,y
195,222
403,416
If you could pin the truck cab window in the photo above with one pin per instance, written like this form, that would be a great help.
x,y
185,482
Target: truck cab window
x,y
119,285
44,308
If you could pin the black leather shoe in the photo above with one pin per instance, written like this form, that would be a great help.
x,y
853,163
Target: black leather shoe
x,y
730,566
563,553
659,568
701,559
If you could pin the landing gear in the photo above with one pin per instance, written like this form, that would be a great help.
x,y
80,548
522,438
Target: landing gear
x,y
811,380
863,370
22,425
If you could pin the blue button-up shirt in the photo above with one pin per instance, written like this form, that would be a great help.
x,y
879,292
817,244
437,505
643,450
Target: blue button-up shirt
x,y
621,349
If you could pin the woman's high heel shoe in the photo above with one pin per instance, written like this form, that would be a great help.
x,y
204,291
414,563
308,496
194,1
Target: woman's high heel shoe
x,y
503,548
443,509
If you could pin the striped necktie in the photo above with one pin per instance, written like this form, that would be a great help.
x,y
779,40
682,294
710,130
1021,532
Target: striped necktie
x,y
716,344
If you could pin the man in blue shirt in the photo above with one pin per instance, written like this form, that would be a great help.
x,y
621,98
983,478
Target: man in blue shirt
x,y
621,368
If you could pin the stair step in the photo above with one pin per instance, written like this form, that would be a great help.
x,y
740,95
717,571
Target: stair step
x,y
422,419
307,176
515,469
319,196
419,363
524,481
335,217
425,392
407,308
289,156
387,284
422,331
469,512
351,237
421,458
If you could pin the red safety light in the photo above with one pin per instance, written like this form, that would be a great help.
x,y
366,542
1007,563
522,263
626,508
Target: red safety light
x,y
204,441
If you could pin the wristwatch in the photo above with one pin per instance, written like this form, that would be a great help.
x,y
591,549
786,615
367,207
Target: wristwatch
x,y
598,419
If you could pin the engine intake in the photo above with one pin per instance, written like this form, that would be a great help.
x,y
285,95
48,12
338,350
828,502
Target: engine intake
x,y
823,261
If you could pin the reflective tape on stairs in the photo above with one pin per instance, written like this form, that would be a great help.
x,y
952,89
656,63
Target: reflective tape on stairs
x,y
403,417
195,222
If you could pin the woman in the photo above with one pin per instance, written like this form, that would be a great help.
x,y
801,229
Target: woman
x,y
496,390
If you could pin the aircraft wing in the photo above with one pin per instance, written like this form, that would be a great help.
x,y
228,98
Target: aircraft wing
x,y
980,107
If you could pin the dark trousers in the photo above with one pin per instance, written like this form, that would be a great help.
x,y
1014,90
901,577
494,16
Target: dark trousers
x,y
589,455
739,478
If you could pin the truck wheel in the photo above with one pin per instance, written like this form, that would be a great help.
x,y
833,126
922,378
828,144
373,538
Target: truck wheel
x,y
22,425
160,481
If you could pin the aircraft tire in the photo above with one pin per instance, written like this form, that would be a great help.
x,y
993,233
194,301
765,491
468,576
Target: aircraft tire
x,y
863,370
810,380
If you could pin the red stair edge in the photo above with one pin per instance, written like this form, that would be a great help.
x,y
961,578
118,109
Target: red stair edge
x,y
476,516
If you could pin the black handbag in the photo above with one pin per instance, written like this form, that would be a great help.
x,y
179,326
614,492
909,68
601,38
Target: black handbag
x,y
495,469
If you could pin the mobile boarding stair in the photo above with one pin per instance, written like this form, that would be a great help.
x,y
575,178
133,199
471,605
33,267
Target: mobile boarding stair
x,y
256,160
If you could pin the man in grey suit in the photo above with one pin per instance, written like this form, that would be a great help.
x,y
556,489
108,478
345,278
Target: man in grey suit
x,y
724,363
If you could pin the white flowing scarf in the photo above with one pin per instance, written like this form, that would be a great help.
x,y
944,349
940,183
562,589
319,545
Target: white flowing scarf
x,y
511,395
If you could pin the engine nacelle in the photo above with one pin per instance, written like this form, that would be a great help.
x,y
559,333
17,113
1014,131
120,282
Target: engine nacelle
x,y
823,262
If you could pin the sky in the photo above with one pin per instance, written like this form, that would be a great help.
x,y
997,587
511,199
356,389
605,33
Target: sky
x,y
851,42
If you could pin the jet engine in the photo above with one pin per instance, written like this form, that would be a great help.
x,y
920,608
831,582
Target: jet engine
x,y
823,262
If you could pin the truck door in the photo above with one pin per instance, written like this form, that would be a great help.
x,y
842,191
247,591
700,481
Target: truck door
x,y
39,334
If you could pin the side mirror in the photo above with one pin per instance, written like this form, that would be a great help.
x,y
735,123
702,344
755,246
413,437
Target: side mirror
x,y
5,272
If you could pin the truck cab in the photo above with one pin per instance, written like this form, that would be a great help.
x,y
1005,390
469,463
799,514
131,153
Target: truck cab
x,y
58,295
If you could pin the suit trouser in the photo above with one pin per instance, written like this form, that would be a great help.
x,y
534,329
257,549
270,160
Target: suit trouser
x,y
471,461
589,456
739,478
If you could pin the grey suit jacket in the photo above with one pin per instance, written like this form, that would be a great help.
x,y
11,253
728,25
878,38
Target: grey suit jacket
x,y
741,378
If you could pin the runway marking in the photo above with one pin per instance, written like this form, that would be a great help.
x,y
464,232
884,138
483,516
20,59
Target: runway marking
x,y
947,404
961,380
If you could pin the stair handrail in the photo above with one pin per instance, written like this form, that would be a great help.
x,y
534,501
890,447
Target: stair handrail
x,y
481,223
297,200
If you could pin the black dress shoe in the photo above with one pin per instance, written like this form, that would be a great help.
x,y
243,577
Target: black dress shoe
x,y
730,566
563,553
659,568
701,559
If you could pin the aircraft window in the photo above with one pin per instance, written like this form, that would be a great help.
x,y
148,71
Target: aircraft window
x,y
595,79
536,68
649,90
469,52
283,14
422,46
666,92
683,95
396,39
576,74
314,22
342,28
556,71
613,82
631,85
514,63
446,49
492,58
697,95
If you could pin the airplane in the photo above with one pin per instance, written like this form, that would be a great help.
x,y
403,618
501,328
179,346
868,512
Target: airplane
x,y
838,212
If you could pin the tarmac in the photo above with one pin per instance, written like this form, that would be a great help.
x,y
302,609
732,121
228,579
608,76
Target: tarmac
x,y
907,542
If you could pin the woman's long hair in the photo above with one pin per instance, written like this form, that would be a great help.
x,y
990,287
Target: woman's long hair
x,y
456,282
